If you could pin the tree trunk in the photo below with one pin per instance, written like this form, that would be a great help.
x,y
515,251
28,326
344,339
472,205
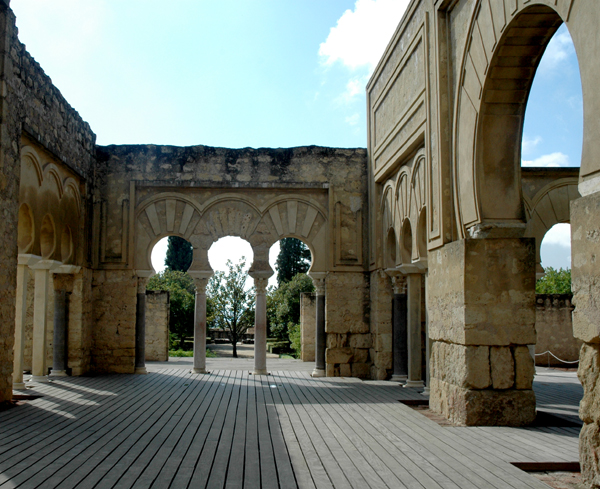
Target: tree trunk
x,y
234,349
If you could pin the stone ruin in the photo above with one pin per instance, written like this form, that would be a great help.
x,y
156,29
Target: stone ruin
x,y
425,246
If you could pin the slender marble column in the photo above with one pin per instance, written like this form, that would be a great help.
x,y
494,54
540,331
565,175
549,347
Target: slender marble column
x,y
59,364
40,308
320,334
20,314
427,347
399,329
260,327
201,281
414,331
140,327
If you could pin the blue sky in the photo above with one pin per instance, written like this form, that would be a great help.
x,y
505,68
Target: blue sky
x,y
272,73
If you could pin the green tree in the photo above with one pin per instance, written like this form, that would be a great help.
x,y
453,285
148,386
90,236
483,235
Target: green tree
x,y
232,302
283,305
294,258
182,292
554,282
179,254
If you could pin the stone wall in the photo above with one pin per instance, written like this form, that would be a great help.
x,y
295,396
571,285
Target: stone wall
x,y
29,103
114,294
381,325
307,325
347,325
157,326
554,329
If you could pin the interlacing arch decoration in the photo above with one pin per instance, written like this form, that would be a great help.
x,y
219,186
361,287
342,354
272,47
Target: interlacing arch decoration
x,y
230,214
404,213
50,215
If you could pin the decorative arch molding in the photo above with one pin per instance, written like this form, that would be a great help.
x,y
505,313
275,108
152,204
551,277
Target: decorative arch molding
x,y
549,206
495,78
27,152
25,229
230,214
52,172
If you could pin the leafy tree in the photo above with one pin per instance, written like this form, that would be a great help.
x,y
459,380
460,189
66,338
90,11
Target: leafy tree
x,y
232,303
294,258
283,304
182,292
554,282
179,254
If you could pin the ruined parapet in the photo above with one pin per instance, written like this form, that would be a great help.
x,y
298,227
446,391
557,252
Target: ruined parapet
x,y
554,328
157,325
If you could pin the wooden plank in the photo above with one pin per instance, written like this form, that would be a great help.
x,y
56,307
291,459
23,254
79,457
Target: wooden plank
x,y
268,471
84,430
235,468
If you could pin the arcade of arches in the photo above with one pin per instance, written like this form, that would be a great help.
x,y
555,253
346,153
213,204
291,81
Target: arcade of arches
x,y
433,232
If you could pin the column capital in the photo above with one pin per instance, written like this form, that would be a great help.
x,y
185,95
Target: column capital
x,y
398,280
49,265
261,285
201,279
319,281
67,269
411,268
28,260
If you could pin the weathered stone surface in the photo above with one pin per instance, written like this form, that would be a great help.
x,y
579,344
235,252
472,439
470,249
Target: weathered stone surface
x,y
383,342
338,355
345,370
585,271
347,303
463,366
360,355
589,376
157,326
554,329
361,341
361,370
524,368
487,407
307,326
589,441
503,367
481,292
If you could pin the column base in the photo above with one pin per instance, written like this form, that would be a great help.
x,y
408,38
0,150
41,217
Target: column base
x,y
426,392
140,370
261,371
198,371
399,378
318,372
414,383
39,379
58,373
19,386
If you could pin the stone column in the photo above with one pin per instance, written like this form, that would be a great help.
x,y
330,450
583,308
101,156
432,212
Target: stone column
x,y
42,269
415,374
140,327
320,334
201,281
399,328
260,326
24,261
585,275
59,364
427,389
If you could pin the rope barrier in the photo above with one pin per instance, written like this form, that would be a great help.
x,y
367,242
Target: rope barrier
x,y
559,359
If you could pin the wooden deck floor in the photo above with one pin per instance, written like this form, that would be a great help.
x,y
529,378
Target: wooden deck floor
x,y
229,429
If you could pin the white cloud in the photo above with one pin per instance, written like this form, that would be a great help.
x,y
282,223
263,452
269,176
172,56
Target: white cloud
x,y
354,88
550,160
353,119
559,49
361,35
528,145
556,247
